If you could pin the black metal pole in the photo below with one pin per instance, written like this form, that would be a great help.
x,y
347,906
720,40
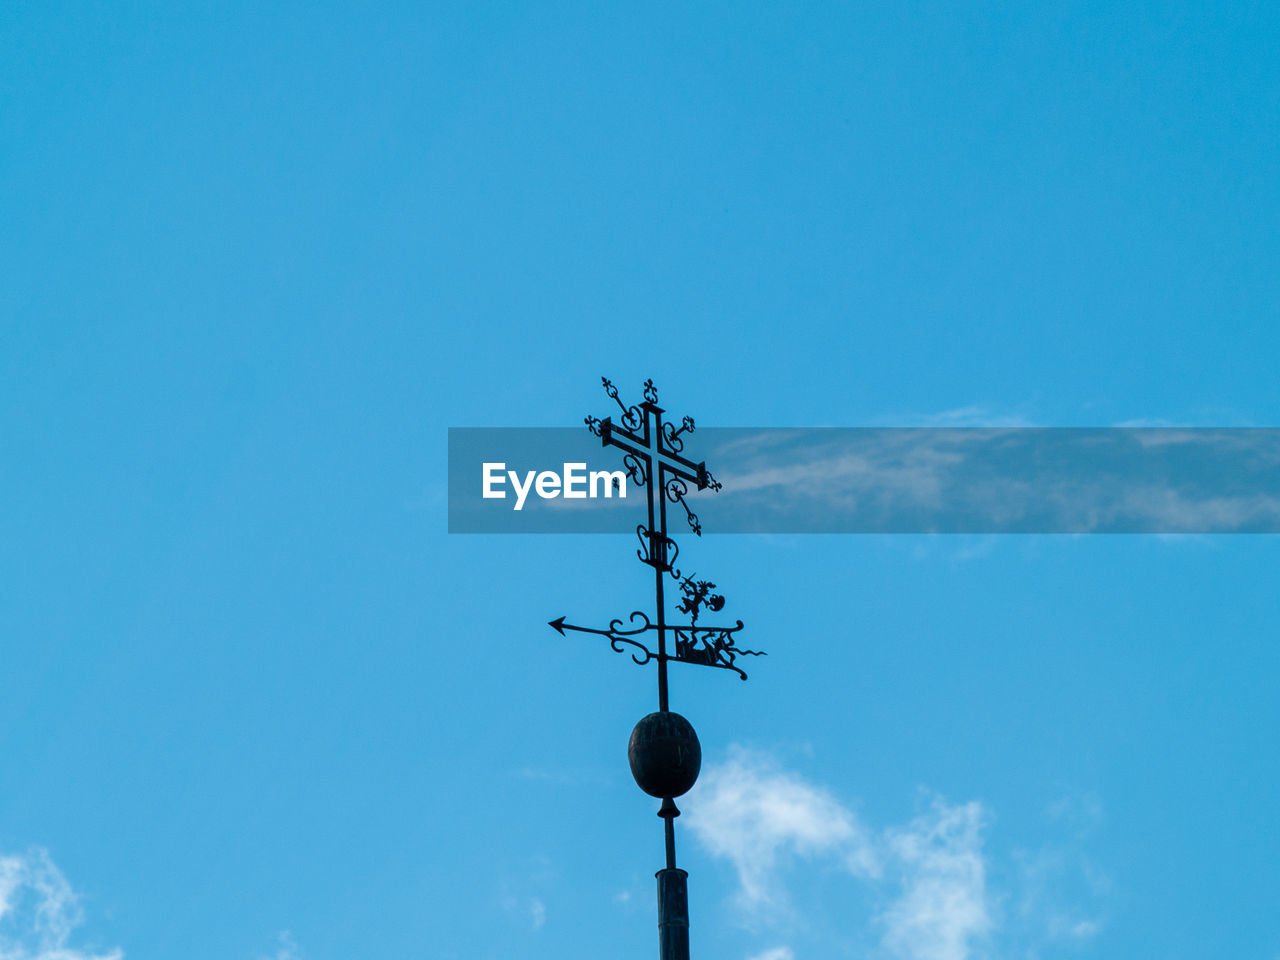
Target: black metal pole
x,y
658,550
673,894
673,915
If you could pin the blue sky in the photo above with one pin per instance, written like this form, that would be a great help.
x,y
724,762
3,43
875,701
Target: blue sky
x,y
258,704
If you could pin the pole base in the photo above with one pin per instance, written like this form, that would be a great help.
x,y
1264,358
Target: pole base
x,y
673,914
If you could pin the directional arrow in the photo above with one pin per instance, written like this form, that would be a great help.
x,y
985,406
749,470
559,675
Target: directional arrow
x,y
615,628
616,634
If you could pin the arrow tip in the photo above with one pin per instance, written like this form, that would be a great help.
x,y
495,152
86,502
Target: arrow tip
x,y
558,623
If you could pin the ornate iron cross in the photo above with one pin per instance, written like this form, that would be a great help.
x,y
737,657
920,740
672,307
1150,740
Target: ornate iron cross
x,y
664,752
653,456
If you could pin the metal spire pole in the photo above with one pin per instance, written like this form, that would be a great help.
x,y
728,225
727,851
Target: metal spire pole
x,y
663,751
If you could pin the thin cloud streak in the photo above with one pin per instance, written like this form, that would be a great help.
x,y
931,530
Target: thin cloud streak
x,y
1009,480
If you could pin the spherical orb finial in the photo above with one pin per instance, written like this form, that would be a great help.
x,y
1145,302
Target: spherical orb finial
x,y
665,755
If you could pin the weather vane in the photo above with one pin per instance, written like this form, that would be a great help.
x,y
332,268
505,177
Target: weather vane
x,y
663,751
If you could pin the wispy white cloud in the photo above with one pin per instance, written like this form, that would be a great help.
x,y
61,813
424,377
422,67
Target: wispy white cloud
x,y
929,877
1060,897
566,778
524,890
531,909
1082,812
755,814
1069,928
1005,479
39,911
286,948
974,415
1146,423
1062,894
942,908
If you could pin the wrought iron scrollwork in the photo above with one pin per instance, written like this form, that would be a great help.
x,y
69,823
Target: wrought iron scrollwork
x,y
653,457
632,418
671,434
657,551
635,469
618,636
676,490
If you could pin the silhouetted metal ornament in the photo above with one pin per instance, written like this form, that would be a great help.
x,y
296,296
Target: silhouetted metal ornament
x,y
664,754
664,751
